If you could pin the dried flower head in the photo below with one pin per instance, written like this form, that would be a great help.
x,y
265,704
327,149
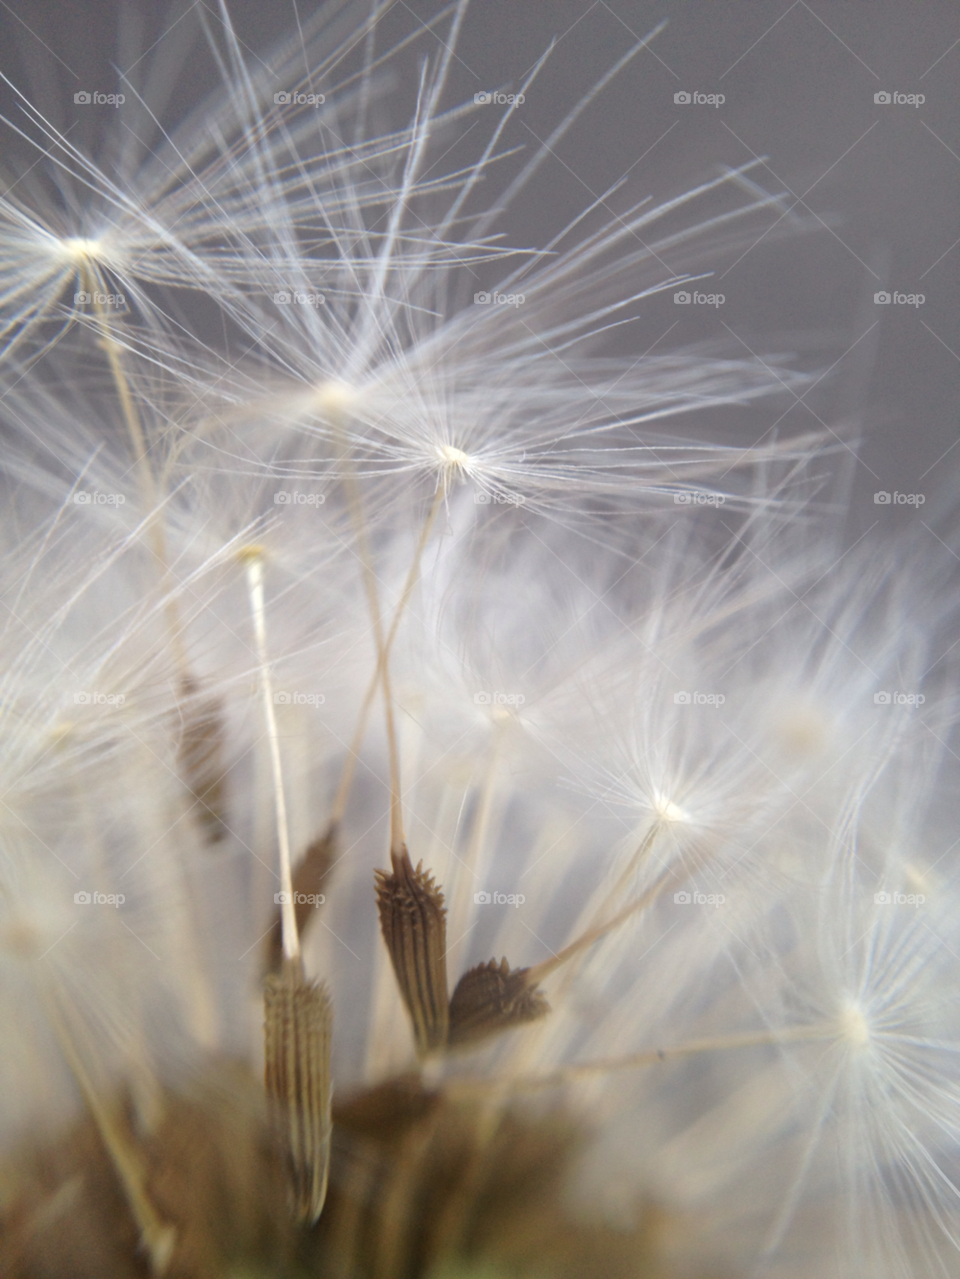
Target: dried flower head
x,y
459,819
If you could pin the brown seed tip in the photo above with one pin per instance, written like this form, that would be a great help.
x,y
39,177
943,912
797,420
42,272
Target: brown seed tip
x,y
493,997
297,1027
414,926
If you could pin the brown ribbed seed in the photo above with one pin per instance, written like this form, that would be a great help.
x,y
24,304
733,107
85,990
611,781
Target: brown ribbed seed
x,y
414,926
308,879
490,998
297,1025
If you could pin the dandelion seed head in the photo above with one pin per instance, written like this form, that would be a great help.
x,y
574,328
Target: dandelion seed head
x,y
666,809
455,463
335,399
81,251
542,682
854,1025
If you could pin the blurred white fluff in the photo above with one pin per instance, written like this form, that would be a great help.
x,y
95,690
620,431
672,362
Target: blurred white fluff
x,y
710,714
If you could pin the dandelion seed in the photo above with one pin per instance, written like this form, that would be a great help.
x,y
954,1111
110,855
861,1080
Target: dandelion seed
x,y
297,1029
413,923
491,998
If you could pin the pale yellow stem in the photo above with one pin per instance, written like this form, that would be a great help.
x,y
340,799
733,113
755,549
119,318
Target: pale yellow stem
x,y
339,805
650,1057
288,918
148,484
